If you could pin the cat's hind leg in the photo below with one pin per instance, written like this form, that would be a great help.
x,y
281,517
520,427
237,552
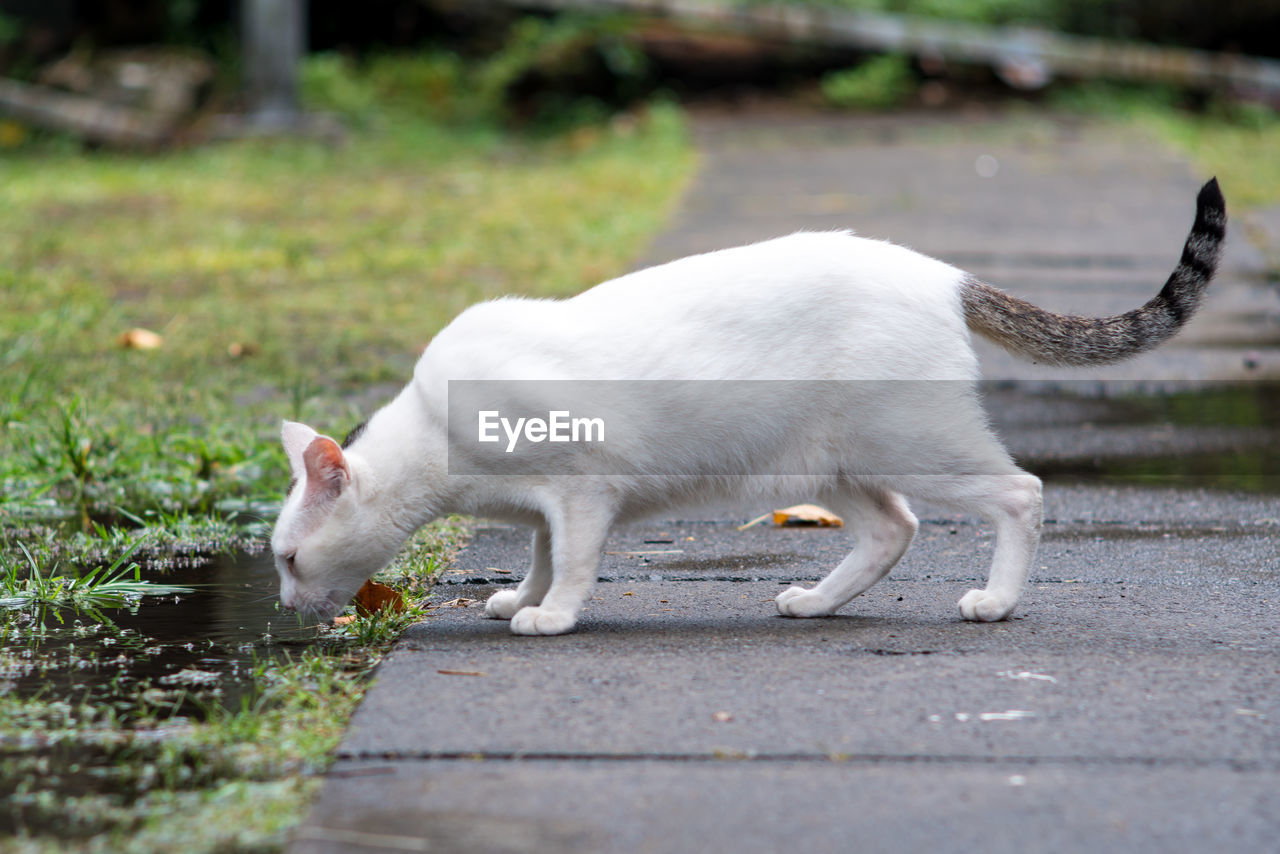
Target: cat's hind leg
x,y
1010,502
504,604
883,525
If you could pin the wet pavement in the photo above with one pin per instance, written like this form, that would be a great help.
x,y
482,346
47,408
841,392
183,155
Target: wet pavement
x,y
1132,703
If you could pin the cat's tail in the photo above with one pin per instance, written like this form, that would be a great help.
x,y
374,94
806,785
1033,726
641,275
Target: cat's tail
x,y
1063,339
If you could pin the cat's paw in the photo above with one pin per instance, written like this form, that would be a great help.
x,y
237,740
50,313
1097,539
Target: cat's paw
x,y
798,602
536,620
985,606
502,605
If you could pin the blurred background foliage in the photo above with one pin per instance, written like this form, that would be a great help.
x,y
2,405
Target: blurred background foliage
x,y
47,26
480,60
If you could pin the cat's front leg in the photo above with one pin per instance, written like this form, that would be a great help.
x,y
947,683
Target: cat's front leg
x,y
578,533
986,606
504,604
883,525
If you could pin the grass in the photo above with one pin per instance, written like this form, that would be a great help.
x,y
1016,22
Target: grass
x,y
234,781
286,279
109,585
882,82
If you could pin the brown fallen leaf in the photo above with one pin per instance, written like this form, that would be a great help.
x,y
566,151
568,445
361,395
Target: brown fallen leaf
x,y
342,621
807,514
460,602
461,673
374,597
141,339
800,514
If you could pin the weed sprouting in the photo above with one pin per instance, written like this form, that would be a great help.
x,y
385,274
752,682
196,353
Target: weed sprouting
x,y
115,585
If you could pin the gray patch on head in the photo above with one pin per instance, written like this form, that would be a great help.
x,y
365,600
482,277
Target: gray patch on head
x,y
356,432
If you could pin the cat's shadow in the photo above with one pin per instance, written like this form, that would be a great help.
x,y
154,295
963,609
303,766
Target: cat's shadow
x,y
737,630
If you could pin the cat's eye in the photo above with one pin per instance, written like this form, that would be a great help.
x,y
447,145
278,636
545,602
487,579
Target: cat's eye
x,y
288,563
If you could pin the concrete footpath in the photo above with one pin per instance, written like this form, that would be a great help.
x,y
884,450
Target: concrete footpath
x,y
1131,704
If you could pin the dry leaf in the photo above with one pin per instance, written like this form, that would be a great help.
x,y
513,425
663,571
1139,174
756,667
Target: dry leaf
x,y
141,339
807,514
374,597
461,673
342,621
460,602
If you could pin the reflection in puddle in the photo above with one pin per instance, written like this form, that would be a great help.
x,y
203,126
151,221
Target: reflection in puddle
x,y
1226,436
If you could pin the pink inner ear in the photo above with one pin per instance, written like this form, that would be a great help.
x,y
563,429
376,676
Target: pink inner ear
x,y
326,466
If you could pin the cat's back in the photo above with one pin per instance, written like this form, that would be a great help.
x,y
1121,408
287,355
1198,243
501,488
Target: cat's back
x,y
832,265
827,296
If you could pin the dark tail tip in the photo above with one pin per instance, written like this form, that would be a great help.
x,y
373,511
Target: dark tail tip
x,y
1211,209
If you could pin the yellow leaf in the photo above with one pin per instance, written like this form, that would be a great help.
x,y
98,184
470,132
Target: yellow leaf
x,y
242,349
141,339
807,514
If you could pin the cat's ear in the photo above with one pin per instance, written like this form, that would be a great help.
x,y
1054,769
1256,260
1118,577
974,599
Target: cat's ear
x,y
296,437
317,458
326,468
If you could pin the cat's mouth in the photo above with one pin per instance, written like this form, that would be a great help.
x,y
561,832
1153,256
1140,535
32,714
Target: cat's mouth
x,y
322,609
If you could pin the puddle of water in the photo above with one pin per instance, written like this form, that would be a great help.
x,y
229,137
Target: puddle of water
x,y
184,655
1249,472
186,651
1226,436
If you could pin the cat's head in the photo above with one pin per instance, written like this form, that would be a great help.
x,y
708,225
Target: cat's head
x,y
330,536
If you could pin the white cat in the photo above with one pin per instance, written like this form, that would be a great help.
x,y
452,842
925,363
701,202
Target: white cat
x,y
874,397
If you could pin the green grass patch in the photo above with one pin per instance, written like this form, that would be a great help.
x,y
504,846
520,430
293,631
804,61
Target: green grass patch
x,y
110,585
879,83
284,277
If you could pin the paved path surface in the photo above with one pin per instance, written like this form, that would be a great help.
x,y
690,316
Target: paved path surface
x,y
1133,703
